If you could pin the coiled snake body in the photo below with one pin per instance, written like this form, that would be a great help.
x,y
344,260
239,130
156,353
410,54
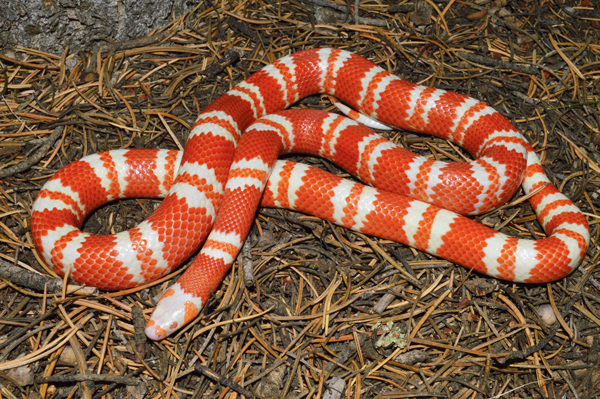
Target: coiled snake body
x,y
210,167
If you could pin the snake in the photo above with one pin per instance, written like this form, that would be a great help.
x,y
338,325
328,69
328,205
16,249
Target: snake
x,y
230,166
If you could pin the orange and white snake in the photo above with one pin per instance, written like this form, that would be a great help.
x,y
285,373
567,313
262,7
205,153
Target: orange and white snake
x,y
212,183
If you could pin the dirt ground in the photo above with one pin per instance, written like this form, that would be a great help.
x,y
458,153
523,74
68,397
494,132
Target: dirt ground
x,y
324,311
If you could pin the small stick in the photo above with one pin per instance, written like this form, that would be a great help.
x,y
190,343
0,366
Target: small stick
x,y
35,158
205,371
247,265
88,377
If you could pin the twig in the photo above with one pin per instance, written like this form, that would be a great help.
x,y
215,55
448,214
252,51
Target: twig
x,y
117,379
223,380
11,170
479,59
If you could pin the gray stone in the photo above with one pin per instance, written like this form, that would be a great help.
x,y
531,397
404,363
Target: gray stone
x,y
52,25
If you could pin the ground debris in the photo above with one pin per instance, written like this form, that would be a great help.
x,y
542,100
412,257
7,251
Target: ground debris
x,y
327,288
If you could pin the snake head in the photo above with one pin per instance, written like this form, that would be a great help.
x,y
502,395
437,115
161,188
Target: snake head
x,y
175,309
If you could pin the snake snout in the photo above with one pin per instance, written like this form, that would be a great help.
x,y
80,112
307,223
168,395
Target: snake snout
x,y
175,309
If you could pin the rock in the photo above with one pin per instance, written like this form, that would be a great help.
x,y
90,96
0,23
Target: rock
x,y
547,314
22,376
52,25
